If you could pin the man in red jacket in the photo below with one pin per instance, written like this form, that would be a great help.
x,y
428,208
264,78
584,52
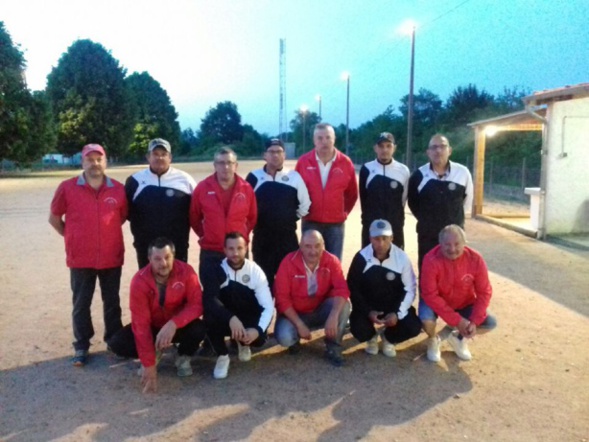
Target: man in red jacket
x,y
166,304
454,285
88,211
331,181
222,203
311,292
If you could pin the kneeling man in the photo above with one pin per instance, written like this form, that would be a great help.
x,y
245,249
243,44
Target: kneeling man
x,y
455,285
382,289
166,304
311,292
237,303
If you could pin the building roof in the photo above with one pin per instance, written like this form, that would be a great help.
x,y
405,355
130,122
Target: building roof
x,y
539,98
521,120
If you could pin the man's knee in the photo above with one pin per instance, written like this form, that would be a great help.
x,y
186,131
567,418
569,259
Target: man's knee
x,y
489,323
285,332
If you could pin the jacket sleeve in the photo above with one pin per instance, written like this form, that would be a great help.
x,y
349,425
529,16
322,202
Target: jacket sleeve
x,y
193,308
131,186
252,180
140,305
339,286
363,177
483,291
196,215
429,277
252,215
355,273
408,278
468,198
264,298
351,192
59,201
282,286
413,193
303,197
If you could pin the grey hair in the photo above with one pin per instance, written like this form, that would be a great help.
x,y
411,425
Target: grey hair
x,y
452,228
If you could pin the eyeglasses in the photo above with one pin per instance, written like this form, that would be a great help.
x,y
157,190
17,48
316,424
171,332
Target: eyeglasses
x,y
275,152
437,146
225,163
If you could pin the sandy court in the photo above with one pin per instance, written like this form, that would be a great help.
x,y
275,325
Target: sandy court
x,y
528,380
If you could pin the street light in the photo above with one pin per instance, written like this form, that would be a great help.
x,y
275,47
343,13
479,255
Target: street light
x,y
318,98
346,78
408,28
304,108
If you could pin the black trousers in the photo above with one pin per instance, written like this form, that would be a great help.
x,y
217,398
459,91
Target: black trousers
x,y
218,330
269,249
362,327
83,284
188,339
424,245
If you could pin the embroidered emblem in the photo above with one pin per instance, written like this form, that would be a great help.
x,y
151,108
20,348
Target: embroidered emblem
x,y
245,279
394,184
170,192
110,200
178,285
390,276
285,178
452,186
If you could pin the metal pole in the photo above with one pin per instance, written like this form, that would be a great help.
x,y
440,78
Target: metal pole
x,y
348,117
410,104
304,130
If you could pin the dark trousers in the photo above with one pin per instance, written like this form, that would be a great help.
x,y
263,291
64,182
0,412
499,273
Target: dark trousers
x,y
398,237
83,284
209,259
424,245
362,327
217,331
188,339
269,249
142,261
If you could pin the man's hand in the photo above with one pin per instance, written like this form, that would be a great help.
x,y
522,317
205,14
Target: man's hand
x,y
471,330
331,326
374,317
466,328
165,335
251,334
391,320
237,329
149,379
303,331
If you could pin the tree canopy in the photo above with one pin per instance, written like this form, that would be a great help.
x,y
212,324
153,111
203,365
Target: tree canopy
x,y
222,124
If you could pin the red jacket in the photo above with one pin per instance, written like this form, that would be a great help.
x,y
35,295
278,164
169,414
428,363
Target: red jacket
x,y
207,216
182,304
93,219
449,285
336,201
290,284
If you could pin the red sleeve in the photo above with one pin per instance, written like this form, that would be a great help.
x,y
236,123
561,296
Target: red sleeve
x,y
483,291
124,207
351,192
196,213
140,304
338,281
59,203
428,280
282,286
193,308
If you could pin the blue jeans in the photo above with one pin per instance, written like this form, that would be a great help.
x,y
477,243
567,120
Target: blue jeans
x,y
286,333
333,235
83,283
427,314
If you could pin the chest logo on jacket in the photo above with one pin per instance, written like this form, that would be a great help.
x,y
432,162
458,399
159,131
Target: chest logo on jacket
x,y
110,200
285,178
170,192
394,184
178,285
245,279
390,276
452,186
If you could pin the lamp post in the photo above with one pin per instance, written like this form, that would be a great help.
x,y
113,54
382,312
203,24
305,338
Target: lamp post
x,y
346,78
304,108
318,98
409,28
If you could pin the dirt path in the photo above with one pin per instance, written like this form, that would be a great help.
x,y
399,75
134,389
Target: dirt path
x,y
528,379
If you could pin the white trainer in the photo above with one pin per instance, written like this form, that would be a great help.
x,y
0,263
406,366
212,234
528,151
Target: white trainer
x,y
433,349
183,367
388,349
460,348
244,352
221,367
372,345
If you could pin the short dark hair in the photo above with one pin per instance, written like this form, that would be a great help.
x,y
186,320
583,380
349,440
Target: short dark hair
x,y
323,126
161,243
225,150
233,235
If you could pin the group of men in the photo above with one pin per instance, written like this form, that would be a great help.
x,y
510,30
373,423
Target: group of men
x,y
235,296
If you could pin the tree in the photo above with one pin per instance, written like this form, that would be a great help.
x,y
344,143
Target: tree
x,y
221,124
154,114
188,142
467,104
305,119
252,143
90,100
364,137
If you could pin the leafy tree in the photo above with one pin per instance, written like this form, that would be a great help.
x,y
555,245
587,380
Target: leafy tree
x,y
221,124
510,100
252,143
365,135
90,99
154,114
188,142
467,104
310,119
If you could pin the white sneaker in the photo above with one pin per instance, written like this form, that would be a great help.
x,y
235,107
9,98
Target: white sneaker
x,y
244,352
221,367
183,367
388,349
372,345
433,349
460,348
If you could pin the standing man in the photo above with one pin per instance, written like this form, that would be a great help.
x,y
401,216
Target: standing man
x,y
159,200
222,203
440,193
282,199
311,292
166,304
382,289
94,207
331,180
383,190
455,286
238,303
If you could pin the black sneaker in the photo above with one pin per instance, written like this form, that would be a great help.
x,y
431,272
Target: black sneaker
x,y
80,358
294,349
334,356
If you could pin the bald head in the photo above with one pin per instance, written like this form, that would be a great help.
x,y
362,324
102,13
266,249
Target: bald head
x,y
312,247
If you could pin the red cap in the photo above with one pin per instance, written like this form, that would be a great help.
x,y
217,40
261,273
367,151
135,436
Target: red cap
x,y
88,148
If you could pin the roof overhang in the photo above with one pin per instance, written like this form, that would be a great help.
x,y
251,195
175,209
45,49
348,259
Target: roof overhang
x,y
559,94
516,121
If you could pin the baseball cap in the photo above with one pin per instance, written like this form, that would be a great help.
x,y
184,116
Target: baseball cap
x,y
159,142
274,142
89,148
380,227
385,136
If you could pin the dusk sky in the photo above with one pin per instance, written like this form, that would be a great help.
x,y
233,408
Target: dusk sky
x,y
205,52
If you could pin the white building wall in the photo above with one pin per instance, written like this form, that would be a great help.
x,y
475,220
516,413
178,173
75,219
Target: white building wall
x,y
567,184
